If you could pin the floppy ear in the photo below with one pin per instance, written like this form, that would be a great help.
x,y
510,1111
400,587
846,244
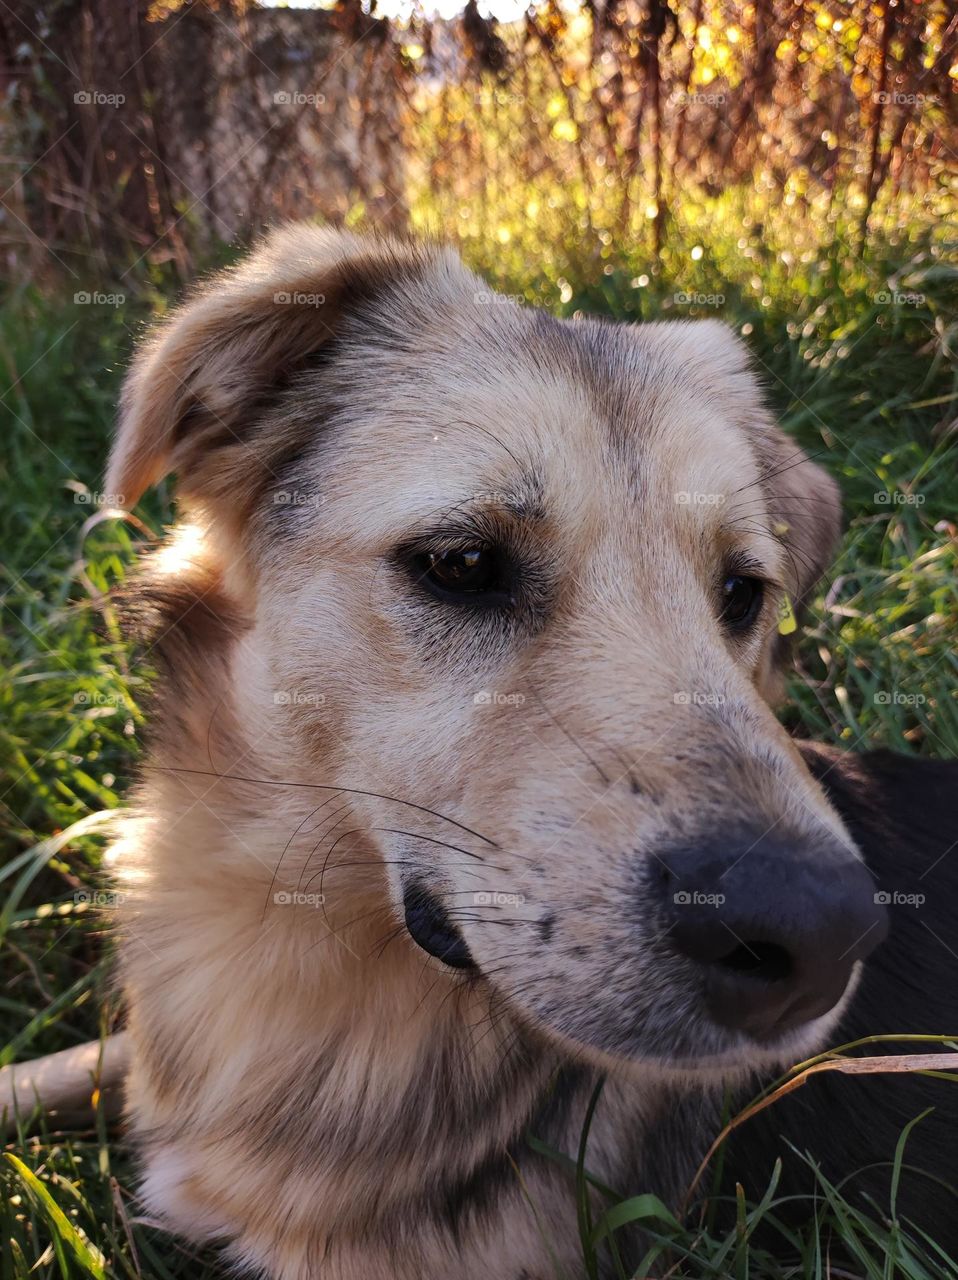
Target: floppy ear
x,y
805,507
196,392
803,502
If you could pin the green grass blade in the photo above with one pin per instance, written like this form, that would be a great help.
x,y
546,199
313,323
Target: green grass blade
x,y
65,1236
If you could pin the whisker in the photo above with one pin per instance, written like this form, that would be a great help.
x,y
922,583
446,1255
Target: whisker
x,y
272,882
334,933
575,742
415,835
391,936
791,551
799,457
381,862
394,831
319,786
346,809
464,422
798,497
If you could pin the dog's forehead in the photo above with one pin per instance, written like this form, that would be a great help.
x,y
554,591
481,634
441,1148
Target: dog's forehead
x,y
501,403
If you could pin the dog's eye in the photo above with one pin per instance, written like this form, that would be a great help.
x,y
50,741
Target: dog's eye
x,y
741,601
468,572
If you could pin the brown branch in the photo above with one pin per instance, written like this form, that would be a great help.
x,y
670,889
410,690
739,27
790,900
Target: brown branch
x,y
70,1085
878,115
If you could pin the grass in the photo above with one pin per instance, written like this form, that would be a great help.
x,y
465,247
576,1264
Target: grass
x,y
837,1239
859,371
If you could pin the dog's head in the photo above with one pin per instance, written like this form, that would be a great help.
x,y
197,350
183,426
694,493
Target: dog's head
x,y
513,586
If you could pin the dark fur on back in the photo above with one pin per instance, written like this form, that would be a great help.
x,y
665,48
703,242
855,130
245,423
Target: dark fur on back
x,y
902,813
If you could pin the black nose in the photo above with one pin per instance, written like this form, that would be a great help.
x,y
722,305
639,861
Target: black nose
x,y
775,928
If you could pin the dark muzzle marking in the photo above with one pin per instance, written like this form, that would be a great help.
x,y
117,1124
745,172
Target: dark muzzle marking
x,y
430,928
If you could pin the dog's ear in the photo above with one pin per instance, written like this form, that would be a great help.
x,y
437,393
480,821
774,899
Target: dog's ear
x,y
801,499
196,392
805,508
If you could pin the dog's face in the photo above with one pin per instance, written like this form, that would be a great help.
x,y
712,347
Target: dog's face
x,y
515,583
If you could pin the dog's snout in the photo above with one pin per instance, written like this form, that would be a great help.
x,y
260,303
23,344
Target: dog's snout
x,y
774,929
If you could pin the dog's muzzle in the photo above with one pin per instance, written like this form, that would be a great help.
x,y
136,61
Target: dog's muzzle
x,y
774,930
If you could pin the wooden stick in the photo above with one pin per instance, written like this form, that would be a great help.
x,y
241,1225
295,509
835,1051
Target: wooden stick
x,y
69,1085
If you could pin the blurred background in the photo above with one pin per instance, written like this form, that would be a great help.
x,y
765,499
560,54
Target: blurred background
x,y
157,131
788,166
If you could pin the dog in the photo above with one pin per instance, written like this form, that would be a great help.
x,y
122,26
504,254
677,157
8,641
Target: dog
x,y
464,789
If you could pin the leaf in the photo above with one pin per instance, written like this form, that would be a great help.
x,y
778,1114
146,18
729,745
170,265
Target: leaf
x,y
899,1157
635,1209
64,1232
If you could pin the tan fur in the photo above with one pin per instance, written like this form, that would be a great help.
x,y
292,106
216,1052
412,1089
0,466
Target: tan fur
x,y
308,1085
